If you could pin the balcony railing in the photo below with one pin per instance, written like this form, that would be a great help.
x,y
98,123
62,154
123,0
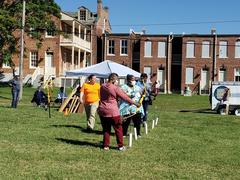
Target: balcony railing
x,y
73,40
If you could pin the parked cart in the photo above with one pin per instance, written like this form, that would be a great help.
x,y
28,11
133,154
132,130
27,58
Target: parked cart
x,y
226,96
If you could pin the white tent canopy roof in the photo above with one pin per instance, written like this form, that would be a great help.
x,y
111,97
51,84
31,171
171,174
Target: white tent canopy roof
x,y
103,69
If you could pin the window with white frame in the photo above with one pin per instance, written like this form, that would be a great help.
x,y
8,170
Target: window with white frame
x,y
124,47
111,47
148,49
237,49
162,49
50,33
33,59
223,49
190,49
205,49
83,15
189,75
222,75
237,74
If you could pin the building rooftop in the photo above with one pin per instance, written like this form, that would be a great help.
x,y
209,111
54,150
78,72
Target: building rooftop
x,y
176,35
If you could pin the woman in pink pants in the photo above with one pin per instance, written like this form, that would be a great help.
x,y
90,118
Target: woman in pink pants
x,y
109,112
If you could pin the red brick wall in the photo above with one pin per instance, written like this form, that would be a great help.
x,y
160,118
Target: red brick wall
x,y
154,62
97,30
198,63
52,44
117,57
94,46
230,62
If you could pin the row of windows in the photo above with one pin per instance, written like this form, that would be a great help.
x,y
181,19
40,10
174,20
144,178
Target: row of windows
x,y
189,78
147,48
222,53
190,49
161,49
123,47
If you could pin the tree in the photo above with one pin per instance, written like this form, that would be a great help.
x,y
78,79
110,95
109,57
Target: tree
x,y
8,25
39,15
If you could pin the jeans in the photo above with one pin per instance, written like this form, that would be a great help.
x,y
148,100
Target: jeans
x,y
145,108
15,94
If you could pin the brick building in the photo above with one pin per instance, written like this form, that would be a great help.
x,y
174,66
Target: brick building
x,y
179,61
75,47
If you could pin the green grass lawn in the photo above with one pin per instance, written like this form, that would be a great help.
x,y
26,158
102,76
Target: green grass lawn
x,y
190,142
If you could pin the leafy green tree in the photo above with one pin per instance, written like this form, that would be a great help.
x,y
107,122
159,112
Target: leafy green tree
x,y
39,15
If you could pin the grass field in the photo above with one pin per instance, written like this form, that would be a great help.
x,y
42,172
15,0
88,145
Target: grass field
x,y
190,142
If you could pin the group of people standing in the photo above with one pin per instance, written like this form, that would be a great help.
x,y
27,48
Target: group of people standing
x,y
116,106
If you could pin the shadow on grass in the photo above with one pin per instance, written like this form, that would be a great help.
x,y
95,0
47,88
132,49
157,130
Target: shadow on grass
x,y
80,143
204,111
80,128
84,143
2,97
5,106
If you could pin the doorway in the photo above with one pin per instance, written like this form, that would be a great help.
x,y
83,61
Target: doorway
x,y
161,79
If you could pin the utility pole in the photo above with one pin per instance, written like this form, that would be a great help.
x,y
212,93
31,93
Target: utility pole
x,y
168,65
214,72
104,40
22,51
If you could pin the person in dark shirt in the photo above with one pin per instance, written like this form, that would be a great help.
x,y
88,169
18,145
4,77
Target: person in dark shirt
x,y
15,83
39,97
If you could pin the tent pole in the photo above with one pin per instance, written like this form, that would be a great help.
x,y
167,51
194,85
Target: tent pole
x,y
64,87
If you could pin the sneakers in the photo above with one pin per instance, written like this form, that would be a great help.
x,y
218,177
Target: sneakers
x,y
139,136
106,148
123,148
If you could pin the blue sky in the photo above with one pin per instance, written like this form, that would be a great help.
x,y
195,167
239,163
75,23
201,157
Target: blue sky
x,y
141,14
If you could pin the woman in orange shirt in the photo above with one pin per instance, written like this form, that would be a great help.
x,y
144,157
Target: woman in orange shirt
x,y
90,91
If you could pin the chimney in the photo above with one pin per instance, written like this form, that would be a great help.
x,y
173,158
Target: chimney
x,y
106,8
213,31
144,31
106,12
99,8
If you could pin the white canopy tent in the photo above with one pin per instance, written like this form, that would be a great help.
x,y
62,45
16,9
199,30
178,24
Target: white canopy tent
x,y
103,69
